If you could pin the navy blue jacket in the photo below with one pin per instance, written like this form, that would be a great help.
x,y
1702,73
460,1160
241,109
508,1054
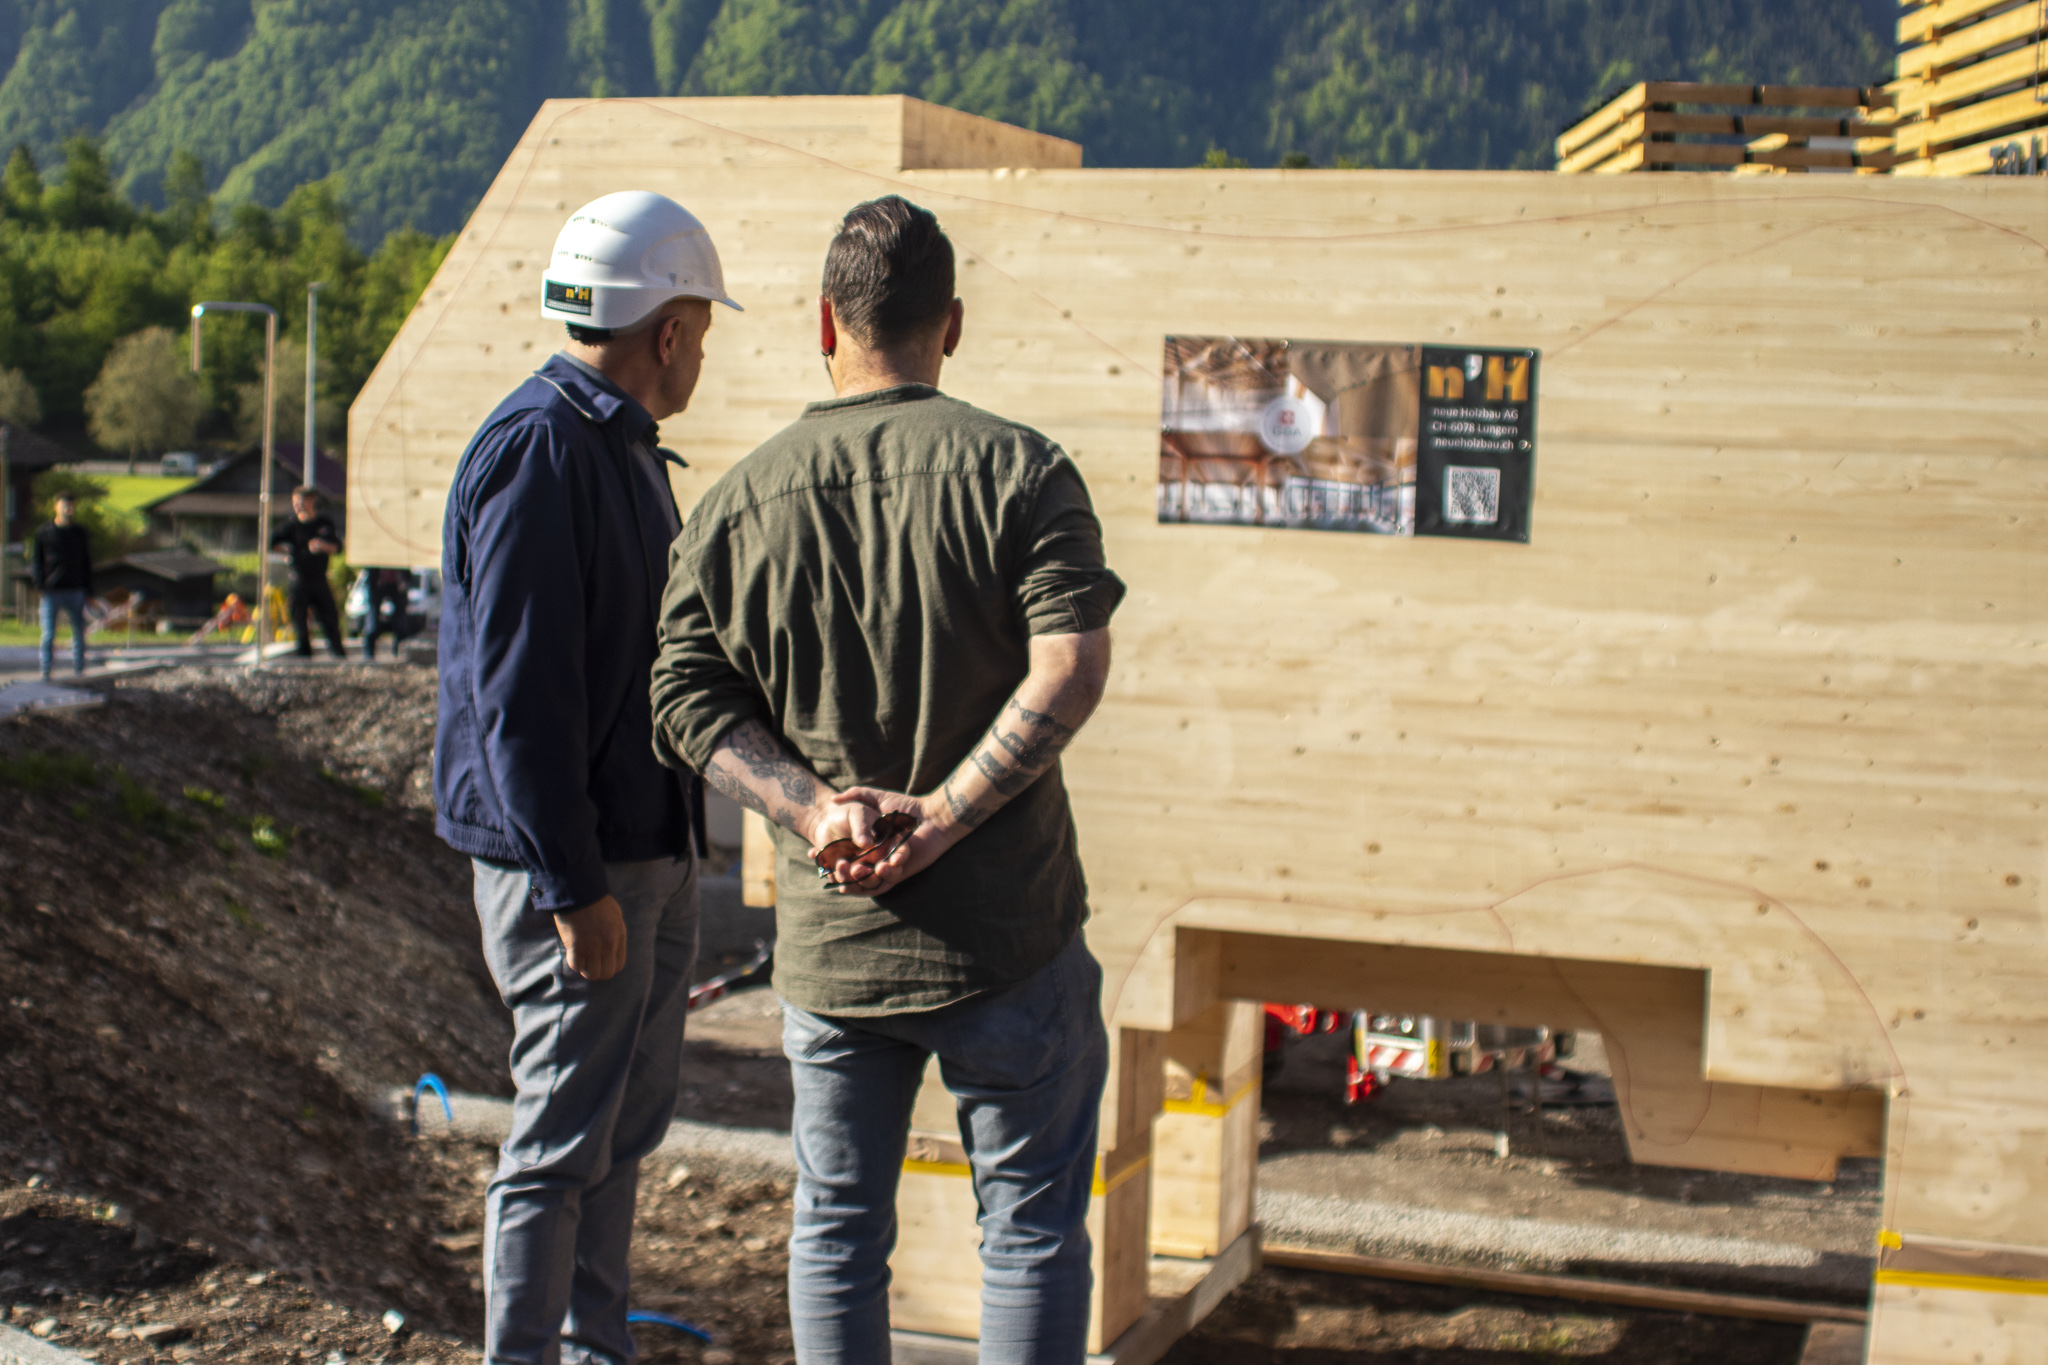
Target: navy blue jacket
x,y
553,560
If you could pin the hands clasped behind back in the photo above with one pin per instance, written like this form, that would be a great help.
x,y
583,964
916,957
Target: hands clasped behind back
x,y
884,861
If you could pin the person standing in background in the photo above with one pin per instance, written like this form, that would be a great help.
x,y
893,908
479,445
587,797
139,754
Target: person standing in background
x,y
62,571
387,598
310,537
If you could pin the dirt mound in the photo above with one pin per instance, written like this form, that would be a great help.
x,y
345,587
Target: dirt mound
x,y
225,927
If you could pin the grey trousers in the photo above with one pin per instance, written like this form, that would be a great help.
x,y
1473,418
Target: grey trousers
x,y
595,1065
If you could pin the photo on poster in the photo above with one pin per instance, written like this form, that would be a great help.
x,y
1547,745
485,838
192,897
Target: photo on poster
x,y
1311,434
1373,437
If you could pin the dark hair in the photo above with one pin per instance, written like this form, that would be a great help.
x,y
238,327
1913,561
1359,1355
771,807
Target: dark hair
x,y
306,490
590,336
889,272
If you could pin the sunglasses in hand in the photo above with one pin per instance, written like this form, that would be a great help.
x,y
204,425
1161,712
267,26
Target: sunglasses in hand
x,y
888,834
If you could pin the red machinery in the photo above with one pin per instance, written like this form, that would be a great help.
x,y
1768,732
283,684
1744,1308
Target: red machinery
x,y
1418,1046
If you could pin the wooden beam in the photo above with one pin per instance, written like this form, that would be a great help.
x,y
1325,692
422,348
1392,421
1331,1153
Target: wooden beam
x,y
1725,154
1654,1020
1562,1287
1930,59
1607,144
1601,119
1941,93
1973,159
1205,1142
1629,158
1975,122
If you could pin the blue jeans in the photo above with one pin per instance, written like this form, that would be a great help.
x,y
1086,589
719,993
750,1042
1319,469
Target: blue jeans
x,y
1027,1065
595,1065
70,601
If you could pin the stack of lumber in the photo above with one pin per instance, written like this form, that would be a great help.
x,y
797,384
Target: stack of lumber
x,y
1640,129
1972,92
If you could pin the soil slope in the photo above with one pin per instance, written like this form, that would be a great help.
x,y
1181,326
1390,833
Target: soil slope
x,y
225,924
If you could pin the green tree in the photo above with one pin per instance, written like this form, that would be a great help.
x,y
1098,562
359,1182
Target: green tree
x,y
21,186
289,421
188,208
18,401
146,399
84,195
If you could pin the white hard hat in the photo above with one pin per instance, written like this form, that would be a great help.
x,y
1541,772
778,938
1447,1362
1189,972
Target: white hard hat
x,y
621,257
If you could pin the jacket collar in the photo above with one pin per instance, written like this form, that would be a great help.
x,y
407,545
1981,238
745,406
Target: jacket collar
x,y
596,398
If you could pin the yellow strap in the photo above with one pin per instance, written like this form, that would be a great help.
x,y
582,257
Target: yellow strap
x,y
1199,1102
1981,1284
1121,1176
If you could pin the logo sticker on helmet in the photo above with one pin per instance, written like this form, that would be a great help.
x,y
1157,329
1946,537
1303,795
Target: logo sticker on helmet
x,y
569,298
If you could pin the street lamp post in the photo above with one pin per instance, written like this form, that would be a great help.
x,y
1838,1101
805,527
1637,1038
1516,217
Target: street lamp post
x,y
199,310
312,363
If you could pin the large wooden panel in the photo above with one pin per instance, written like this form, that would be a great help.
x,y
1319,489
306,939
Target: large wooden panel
x,y
1759,703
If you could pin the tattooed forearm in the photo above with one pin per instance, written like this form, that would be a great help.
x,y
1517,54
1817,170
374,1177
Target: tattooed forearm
x,y
1041,720
752,767
1008,760
729,783
768,761
1000,775
726,784
965,812
1037,742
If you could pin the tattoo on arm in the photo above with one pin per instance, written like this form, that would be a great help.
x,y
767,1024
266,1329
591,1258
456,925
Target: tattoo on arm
x,y
753,768
1000,775
1034,752
728,785
965,811
768,761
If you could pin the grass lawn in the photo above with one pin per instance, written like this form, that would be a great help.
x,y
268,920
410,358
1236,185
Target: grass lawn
x,y
127,492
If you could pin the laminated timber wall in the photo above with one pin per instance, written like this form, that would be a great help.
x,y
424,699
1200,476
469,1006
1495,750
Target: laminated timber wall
x,y
1741,761
1972,87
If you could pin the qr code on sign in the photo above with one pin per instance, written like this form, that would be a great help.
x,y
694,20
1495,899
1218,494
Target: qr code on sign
x,y
1471,496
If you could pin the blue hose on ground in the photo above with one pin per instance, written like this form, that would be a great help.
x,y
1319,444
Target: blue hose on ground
x,y
664,1320
430,1082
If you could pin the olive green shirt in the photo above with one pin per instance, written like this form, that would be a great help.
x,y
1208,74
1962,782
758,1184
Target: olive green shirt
x,y
866,585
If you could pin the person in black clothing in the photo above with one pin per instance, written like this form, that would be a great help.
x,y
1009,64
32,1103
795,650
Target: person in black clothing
x,y
311,538
389,592
63,575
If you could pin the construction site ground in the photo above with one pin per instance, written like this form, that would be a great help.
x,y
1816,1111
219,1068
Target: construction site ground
x,y
227,931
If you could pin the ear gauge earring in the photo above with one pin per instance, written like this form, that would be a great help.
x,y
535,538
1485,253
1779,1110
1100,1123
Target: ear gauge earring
x,y
828,354
949,355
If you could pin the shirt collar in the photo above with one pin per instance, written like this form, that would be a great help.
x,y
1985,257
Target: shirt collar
x,y
901,393
597,397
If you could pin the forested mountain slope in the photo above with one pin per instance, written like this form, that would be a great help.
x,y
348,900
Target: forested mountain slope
x,y
413,103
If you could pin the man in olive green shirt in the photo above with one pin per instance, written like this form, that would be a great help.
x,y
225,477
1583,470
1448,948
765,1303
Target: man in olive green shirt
x,y
900,604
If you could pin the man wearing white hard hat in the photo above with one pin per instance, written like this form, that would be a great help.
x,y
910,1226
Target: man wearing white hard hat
x,y
554,554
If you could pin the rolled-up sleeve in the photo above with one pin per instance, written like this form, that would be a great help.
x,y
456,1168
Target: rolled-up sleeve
x,y
1064,583
698,694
